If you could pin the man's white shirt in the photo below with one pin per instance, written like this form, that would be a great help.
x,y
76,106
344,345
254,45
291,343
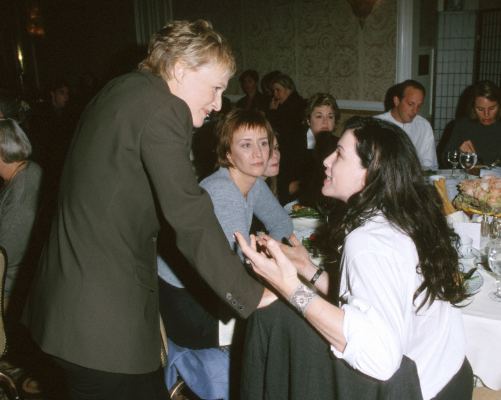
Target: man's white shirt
x,y
421,135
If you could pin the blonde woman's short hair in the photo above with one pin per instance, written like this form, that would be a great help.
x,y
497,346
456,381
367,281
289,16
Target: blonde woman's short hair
x,y
192,43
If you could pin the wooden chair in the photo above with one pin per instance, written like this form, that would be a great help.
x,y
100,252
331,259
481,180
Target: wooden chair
x,y
6,382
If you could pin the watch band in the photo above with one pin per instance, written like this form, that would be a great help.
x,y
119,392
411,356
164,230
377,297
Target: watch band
x,y
317,274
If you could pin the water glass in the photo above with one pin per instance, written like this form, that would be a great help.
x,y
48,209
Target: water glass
x,y
453,159
467,254
495,228
494,260
468,160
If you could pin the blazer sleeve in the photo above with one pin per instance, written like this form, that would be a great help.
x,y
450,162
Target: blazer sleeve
x,y
165,147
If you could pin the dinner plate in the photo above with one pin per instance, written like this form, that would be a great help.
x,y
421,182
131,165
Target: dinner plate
x,y
474,284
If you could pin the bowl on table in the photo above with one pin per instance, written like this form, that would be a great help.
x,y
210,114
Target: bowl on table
x,y
305,223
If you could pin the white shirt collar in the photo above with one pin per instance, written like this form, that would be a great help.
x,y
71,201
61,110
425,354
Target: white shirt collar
x,y
310,140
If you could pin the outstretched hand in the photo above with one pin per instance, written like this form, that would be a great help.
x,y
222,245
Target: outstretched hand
x,y
297,253
278,270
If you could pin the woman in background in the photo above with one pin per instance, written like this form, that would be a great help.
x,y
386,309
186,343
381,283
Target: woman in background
x,y
253,99
273,167
480,132
285,114
322,114
18,200
398,294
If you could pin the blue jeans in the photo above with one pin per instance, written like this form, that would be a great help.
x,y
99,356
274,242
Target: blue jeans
x,y
205,371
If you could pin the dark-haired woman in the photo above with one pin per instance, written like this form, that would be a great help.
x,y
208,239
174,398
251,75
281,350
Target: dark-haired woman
x,y
399,280
480,131
285,114
253,99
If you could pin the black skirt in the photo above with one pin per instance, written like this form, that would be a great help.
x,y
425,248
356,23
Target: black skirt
x,y
284,358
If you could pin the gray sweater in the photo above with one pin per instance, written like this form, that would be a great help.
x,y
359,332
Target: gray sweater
x,y
18,209
234,212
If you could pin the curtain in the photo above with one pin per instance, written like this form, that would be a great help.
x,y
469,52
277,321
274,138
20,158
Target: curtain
x,y
150,16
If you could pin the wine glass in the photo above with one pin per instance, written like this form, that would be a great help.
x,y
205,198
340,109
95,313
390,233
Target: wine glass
x,y
494,260
495,228
453,159
468,160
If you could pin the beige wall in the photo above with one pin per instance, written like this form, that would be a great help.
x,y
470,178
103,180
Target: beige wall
x,y
318,42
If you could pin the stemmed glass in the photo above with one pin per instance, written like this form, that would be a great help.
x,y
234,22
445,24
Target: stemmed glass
x,y
468,160
495,228
453,159
494,260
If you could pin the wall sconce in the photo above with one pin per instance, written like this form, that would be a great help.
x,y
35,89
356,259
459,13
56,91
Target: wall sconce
x,y
362,9
35,23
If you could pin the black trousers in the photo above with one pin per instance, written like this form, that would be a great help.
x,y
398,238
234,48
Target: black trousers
x,y
90,384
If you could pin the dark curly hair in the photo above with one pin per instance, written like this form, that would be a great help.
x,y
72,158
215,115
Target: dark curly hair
x,y
396,187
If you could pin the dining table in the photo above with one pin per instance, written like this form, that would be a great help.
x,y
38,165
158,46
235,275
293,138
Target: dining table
x,y
482,323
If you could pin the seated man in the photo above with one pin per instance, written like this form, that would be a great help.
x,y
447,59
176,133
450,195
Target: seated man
x,y
407,100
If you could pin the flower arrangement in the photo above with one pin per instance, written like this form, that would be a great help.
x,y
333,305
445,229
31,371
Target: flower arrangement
x,y
480,196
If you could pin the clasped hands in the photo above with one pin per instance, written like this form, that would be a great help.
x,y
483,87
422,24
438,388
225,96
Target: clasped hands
x,y
276,263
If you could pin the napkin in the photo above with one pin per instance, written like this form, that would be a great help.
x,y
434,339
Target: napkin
x,y
468,229
455,217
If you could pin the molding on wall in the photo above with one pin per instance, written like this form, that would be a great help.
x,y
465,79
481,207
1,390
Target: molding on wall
x,y
405,11
343,104
360,105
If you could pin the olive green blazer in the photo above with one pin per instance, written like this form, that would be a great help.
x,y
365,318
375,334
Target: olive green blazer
x,y
95,297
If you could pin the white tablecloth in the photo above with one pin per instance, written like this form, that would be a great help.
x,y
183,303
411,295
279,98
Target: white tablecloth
x,y
452,181
482,321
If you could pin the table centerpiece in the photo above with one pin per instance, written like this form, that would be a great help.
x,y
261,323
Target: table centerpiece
x,y
480,196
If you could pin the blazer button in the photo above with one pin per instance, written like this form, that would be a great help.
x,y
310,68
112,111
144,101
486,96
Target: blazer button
x,y
233,302
229,296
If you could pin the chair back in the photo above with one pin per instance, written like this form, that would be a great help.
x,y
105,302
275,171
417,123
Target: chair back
x,y
3,268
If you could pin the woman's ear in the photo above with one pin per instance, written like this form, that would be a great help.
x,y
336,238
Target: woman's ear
x,y
178,71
